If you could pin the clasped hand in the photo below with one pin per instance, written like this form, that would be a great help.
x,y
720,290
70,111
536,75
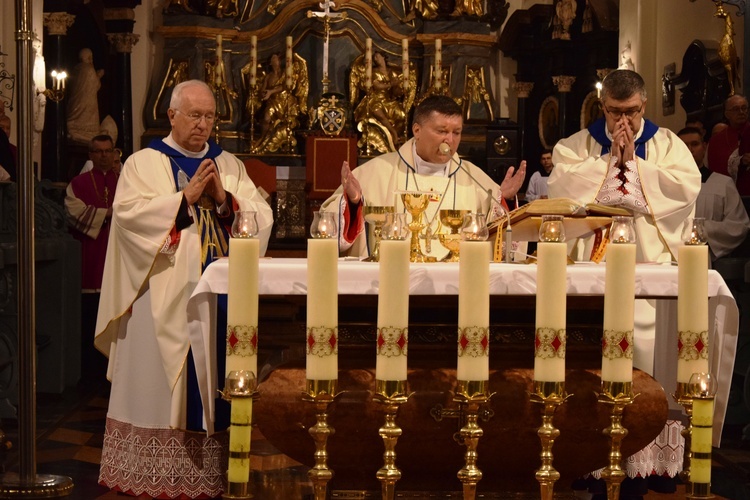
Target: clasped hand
x,y
623,141
206,180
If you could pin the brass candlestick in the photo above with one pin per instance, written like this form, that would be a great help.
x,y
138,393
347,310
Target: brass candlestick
x,y
375,215
453,219
684,398
551,395
471,394
239,386
320,393
391,393
618,395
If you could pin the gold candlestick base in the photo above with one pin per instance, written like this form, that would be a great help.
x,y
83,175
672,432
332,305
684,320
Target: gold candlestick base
x,y
551,395
471,394
392,394
618,395
320,393
239,385
682,397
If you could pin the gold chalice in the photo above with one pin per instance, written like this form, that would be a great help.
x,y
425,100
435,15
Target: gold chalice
x,y
375,215
452,219
416,203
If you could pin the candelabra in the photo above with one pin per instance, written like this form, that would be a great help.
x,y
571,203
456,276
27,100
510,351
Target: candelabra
x,y
321,394
618,395
551,395
57,92
392,394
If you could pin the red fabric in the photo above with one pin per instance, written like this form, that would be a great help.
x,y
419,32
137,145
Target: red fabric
x,y
352,230
94,251
720,147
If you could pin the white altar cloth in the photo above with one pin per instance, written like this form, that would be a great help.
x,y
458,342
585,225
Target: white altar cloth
x,y
288,276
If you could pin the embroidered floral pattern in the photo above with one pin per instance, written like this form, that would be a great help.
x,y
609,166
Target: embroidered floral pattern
x,y
322,341
242,340
692,346
473,341
622,187
393,341
549,343
617,344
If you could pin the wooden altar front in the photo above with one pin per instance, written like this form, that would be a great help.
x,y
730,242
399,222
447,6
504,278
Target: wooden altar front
x,y
427,453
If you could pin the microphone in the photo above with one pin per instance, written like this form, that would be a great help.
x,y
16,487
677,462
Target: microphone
x,y
446,150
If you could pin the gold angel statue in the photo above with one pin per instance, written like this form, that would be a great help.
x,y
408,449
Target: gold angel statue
x,y
381,115
281,103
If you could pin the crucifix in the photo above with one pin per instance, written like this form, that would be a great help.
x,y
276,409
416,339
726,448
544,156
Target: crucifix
x,y
326,15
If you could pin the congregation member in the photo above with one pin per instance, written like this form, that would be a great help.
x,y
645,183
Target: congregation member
x,y
724,141
626,161
426,162
172,215
719,202
537,188
88,205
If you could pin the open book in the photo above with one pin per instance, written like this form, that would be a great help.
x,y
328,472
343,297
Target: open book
x,y
580,220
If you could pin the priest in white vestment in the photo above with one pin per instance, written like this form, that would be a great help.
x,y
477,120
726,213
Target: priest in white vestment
x,y
426,162
172,216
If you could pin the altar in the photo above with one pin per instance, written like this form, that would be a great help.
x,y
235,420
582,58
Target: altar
x,y
432,287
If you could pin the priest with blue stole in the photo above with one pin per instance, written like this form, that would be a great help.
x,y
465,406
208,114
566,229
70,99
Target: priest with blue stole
x,y
172,216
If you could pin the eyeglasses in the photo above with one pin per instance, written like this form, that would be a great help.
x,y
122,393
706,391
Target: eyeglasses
x,y
738,109
618,113
197,117
102,151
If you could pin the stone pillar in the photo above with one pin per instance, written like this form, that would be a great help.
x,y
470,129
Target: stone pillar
x,y
523,90
123,95
54,149
563,84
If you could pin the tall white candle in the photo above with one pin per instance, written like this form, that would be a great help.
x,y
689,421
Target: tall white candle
x,y
474,311
322,309
700,440
393,310
242,305
253,59
692,311
405,63
368,63
289,62
619,302
551,288
438,63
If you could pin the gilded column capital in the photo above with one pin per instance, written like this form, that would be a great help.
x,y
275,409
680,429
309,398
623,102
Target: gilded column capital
x,y
603,72
123,42
563,82
523,89
57,23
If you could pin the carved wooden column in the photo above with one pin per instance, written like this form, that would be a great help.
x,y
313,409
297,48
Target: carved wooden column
x,y
54,148
563,84
523,90
123,95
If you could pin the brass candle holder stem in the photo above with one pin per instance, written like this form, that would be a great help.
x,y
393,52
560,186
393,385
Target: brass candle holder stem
x,y
471,395
683,398
392,394
251,91
618,396
321,394
551,395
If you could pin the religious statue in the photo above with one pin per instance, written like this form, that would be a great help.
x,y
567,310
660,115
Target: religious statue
x,y
428,9
727,49
477,104
83,106
468,8
283,97
223,8
381,114
565,11
215,77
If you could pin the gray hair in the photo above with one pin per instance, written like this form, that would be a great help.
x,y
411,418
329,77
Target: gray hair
x,y
176,101
622,84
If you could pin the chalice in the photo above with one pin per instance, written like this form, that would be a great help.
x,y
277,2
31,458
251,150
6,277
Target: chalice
x,y
453,219
416,202
375,216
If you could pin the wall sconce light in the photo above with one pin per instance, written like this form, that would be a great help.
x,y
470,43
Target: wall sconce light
x,y
57,92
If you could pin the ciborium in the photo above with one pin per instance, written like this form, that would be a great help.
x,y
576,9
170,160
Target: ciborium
x,y
416,202
375,216
452,219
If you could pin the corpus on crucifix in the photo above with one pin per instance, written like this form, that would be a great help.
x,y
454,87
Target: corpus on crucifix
x,y
326,15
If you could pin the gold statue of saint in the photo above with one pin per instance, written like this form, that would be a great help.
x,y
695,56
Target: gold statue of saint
x,y
468,8
381,114
283,99
428,9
